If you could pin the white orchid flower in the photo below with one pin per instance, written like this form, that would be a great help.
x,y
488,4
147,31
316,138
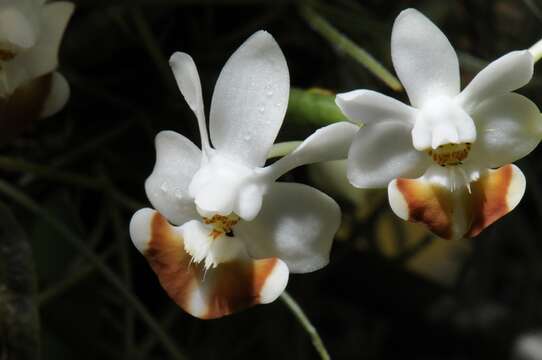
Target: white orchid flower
x,y
30,36
446,158
224,235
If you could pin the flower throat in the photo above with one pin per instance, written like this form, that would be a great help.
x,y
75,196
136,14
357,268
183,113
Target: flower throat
x,y
222,225
450,154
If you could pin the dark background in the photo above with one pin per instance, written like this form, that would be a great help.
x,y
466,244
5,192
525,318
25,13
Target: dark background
x,y
391,291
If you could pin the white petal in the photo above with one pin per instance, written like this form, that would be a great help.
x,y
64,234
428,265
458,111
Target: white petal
x,y
382,152
297,224
508,73
42,58
58,95
141,229
423,58
17,32
366,106
177,160
509,128
250,100
328,143
187,77
250,200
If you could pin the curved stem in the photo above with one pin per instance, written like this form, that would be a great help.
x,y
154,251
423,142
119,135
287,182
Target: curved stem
x,y
283,148
340,41
306,324
28,203
536,50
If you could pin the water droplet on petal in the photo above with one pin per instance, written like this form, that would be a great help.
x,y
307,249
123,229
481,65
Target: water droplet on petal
x,y
269,93
164,187
261,109
246,137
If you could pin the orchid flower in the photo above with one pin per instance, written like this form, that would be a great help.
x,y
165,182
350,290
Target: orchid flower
x,y
30,35
446,159
224,235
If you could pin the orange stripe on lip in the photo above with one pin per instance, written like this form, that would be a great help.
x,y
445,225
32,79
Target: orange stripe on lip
x,y
236,285
171,263
489,199
460,213
429,204
220,291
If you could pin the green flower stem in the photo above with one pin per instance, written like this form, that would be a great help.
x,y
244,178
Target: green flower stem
x,y
282,149
19,318
536,50
341,42
306,324
314,106
28,203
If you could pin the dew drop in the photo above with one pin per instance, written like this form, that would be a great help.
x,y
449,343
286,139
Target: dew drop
x,y
269,93
261,109
247,138
164,187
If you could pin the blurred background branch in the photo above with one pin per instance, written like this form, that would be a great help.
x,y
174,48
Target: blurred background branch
x,y
19,319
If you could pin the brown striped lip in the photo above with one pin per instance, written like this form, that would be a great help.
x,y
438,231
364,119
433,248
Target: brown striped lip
x,y
428,204
465,213
210,293
489,199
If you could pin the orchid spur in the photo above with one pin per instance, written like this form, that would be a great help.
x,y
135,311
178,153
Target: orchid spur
x,y
30,36
224,234
446,159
